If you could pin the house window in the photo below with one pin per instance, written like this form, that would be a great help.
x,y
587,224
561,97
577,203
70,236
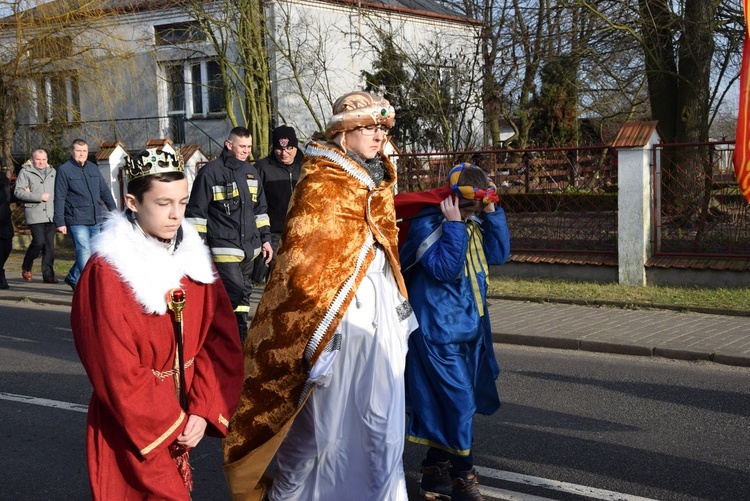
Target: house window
x,y
178,33
207,88
176,88
57,98
56,91
194,88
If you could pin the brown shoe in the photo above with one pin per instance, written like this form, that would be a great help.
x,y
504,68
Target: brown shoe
x,y
436,481
465,486
50,280
26,275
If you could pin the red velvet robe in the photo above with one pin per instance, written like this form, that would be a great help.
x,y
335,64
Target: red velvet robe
x,y
134,413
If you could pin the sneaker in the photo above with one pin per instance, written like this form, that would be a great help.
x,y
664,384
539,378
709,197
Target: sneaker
x,y
436,481
466,486
26,275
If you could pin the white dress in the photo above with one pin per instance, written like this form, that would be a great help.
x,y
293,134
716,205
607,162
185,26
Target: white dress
x,y
347,442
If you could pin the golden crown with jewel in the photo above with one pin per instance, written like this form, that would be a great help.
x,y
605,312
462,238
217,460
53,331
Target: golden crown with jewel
x,y
153,161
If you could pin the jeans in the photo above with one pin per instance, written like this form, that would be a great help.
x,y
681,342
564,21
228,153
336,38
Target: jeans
x,y
81,235
42,242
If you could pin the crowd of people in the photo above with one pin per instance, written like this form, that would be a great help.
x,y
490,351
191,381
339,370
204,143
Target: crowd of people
x,y
367,333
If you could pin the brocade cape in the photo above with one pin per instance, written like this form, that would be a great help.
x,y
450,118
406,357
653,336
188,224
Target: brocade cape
x,y
335,217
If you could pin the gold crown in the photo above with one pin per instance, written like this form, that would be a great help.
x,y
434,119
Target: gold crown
x,y
153,161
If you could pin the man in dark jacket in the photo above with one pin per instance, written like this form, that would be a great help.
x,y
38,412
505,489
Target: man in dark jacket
x,y
228,208
6,225
279,173
80,197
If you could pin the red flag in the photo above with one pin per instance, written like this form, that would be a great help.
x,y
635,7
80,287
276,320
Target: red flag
x,y
742,141
409,204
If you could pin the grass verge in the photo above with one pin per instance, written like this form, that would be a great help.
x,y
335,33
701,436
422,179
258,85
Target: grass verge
x,y
678,298
64,259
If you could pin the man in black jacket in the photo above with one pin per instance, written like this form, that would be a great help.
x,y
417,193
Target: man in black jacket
x,y
80,199
279,173
6,225
228,208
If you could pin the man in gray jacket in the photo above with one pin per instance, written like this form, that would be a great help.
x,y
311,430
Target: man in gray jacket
x,y
81,193
35,187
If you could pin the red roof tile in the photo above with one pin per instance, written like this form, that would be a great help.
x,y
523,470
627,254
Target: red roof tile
x,y
634,134
189,150
106,148
157,143
581,258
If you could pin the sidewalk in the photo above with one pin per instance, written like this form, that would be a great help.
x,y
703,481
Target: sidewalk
x,y
686,336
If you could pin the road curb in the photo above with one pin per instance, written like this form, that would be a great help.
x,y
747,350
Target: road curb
x,y
739,361
623,305
536,341
37,300
682,354
616,348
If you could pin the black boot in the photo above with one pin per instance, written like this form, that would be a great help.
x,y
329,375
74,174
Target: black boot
x,y
436,481
3,281
466,486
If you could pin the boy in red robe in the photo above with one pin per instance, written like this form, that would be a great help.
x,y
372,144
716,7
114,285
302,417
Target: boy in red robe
x,y
161,380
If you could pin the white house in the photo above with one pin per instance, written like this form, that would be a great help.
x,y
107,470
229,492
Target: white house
x,y
158,75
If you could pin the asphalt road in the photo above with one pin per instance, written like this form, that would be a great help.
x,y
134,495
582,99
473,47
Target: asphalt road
x,y
611,427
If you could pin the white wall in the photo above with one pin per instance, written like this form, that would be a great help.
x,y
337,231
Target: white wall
x,y
326,36
332,45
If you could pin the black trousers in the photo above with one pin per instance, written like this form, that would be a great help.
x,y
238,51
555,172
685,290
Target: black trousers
x,y
6,245
237,278
42,242
261,270
458,463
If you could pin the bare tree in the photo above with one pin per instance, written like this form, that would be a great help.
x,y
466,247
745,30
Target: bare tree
x,y
435,88
303,49
687,76
236,32
435,78
51,54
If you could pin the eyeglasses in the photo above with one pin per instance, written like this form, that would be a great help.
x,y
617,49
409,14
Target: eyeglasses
x,y
288,149
370,130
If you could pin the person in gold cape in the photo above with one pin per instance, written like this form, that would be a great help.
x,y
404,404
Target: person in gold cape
x,y
329,338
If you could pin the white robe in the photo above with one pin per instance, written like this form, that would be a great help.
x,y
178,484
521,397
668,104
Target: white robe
x,y
348,440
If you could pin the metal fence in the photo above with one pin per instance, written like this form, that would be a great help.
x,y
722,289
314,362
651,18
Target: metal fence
x,y
565,199
699,208
556,199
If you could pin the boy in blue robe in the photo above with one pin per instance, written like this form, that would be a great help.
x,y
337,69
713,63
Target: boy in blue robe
x,y
451,367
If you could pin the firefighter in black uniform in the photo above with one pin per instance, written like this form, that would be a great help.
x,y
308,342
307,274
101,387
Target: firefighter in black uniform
x,y
228,208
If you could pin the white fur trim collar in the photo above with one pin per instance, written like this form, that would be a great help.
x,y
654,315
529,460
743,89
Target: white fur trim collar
x,y
147,267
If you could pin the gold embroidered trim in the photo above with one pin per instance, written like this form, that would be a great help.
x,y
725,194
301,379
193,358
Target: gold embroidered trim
x,y
164,435
424,441
162,375
223,420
